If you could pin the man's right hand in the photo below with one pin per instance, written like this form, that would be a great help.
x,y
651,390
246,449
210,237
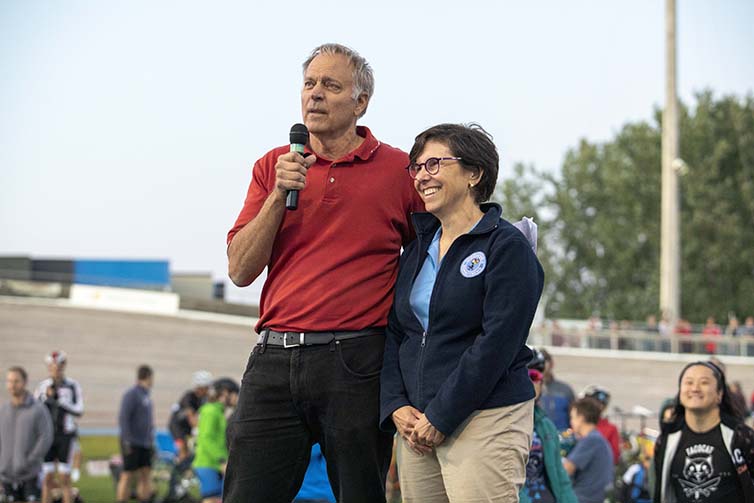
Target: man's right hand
x,y
290,171
405,419
250,251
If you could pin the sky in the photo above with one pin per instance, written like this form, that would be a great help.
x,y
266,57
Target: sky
x,y
128,129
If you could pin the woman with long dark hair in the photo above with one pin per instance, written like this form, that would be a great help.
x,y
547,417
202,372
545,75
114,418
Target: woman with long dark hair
x,y
706,453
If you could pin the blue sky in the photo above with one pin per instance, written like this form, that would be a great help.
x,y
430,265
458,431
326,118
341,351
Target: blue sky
x,y
128,129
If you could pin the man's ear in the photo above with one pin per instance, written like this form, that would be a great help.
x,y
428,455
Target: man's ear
x,y
362,101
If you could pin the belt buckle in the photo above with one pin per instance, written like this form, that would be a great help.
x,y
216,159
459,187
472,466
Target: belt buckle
x,y
294,344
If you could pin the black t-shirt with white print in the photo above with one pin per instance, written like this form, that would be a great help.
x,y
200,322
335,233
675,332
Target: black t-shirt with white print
x,y
702,470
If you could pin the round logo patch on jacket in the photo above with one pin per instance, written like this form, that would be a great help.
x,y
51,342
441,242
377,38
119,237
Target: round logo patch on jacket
x,y
473,265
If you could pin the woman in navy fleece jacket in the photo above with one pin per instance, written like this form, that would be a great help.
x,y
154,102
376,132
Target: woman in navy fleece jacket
x,y
454,379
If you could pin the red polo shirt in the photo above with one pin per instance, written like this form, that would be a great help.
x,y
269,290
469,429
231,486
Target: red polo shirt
x,y
335,259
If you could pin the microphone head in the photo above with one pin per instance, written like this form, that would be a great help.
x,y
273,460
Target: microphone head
x,y
299,134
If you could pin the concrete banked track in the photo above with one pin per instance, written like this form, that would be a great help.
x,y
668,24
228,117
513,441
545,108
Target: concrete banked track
x,y
105,347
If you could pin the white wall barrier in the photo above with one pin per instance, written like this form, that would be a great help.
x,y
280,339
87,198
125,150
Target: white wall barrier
x,y
124,299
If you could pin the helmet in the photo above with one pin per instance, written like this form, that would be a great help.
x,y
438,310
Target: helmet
x,y
201,378
599,393
225,384
537,361
56,357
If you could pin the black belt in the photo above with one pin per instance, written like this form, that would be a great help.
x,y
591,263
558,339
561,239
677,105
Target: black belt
x,y
295,339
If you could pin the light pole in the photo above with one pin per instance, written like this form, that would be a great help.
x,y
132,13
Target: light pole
x,y
670,246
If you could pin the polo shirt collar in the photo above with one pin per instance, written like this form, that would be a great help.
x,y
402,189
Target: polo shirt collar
x,y
363,152
368,147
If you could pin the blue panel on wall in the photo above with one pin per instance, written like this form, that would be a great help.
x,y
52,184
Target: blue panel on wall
x,y
149,274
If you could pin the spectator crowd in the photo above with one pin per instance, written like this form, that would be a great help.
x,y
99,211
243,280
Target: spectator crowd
x,y
576,455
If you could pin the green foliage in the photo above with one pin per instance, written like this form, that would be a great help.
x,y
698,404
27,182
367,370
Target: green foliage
x,y
600,218
717,205
523,196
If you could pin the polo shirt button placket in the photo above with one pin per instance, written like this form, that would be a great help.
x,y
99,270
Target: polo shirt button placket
x,y
333,165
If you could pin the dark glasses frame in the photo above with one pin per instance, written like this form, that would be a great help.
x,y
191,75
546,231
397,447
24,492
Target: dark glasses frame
x,y
431,165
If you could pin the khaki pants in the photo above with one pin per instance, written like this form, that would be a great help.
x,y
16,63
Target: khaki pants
x,y
484,460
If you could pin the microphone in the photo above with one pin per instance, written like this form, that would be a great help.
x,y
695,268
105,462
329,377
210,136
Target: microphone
x,y
299,137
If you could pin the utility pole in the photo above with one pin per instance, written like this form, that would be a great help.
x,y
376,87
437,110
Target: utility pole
x,y
670,245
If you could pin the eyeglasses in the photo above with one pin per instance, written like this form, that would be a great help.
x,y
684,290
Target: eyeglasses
x,y
431,165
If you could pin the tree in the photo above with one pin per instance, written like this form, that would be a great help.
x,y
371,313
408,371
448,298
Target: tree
x,y
600,218
717,208
524,195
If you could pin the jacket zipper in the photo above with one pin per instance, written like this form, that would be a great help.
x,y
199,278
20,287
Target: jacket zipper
x,y
420,362
419,366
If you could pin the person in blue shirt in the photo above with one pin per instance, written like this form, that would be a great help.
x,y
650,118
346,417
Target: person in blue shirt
x,y
557,396
454,380
590,462
316,487
136,422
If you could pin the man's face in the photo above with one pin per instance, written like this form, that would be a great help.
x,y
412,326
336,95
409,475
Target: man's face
x,y
147,382
56,370
230,399
201,391
15,384
699,389
548,369
577,420
668,415
327,103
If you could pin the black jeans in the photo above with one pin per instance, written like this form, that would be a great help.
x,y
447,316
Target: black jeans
x,y
293,398
27,490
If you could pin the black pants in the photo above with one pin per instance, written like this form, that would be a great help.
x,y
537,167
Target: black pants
x,y
27,490
293,398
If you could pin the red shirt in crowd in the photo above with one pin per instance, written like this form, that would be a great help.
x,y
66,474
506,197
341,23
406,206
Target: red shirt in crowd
x,y
335,259
610,432
711,330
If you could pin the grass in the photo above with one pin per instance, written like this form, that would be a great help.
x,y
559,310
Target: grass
x,y
99,447
97,489
102,489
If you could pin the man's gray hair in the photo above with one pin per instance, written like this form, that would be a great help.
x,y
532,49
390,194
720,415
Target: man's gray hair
x,y
363,78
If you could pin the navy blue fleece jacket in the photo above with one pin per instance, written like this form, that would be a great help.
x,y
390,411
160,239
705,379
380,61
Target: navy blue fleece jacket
x,y
473,355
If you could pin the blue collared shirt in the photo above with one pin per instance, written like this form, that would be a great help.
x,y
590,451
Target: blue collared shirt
x,y
425,281
421,292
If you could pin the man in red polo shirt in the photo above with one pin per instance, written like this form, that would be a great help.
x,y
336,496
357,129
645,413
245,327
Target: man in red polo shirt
x,y
313,376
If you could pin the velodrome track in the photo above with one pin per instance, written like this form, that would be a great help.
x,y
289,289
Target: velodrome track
x,y
105,347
